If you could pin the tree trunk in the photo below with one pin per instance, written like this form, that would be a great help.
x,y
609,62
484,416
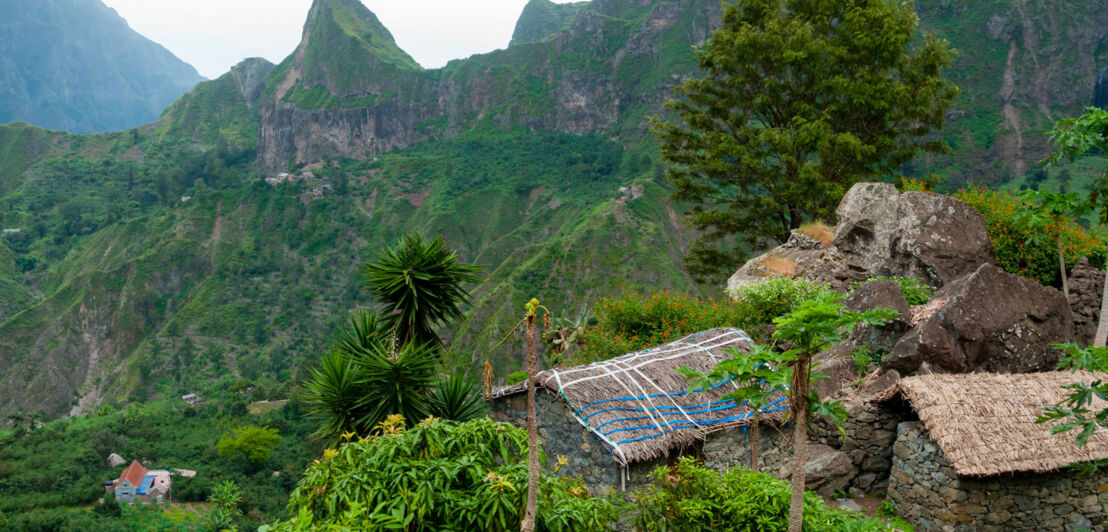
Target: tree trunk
x,y
800,441
1062,268
528,523
1102,326
754,443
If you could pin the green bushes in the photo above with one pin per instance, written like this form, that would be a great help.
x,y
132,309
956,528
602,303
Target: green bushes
x,y
632,321
757,304
1032,258
437,475
692,498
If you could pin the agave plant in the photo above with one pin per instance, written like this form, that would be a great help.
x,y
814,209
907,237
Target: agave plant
x,y
394,382
420,284
333,393
456,398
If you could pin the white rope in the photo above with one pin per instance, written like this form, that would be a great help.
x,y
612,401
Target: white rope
x,y
684,352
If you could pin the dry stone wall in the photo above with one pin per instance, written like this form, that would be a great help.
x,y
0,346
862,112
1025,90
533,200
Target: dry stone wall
x,y
927,493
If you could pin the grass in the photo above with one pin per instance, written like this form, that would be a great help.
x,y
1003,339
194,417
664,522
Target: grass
x,y
776,265
819,231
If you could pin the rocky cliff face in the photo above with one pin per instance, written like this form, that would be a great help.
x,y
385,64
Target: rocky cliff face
x,y
1022,64
76,65
615,59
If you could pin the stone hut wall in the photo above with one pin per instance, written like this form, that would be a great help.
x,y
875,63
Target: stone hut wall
x,y
927,493
561,435
870,431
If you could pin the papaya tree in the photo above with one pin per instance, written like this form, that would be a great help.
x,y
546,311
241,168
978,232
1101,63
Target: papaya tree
x,y
1087,136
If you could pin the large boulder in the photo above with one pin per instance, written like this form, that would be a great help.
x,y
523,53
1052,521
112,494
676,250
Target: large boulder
x,y
114,460
867,216
801,256
1086,285
915,234
828,470
938,238
880,293
989,320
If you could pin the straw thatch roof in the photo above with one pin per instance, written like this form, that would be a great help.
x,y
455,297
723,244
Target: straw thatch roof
x,y
985,423
641,407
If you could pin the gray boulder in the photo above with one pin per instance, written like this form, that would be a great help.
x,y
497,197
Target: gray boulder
x,y
938,238
881,293
1086,285
989,320
114,460
828,470
867,217
915,234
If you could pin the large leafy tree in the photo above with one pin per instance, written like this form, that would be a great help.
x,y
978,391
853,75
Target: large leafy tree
x,y
799,99
421,283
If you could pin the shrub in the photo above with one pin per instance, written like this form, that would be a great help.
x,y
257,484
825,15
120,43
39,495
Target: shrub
x,y
1011,247
757,304
516,377
632,322
819,231
914,289
692,498
437,475
776,265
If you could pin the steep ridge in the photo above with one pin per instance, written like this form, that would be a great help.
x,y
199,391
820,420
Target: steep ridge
x,y
542,18
75,65
615,62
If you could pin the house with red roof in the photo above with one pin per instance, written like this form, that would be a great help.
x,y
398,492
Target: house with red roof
x,y
126,488
136,483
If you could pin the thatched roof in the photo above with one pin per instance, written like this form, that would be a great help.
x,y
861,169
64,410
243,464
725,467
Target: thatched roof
x,y
641,407
985,423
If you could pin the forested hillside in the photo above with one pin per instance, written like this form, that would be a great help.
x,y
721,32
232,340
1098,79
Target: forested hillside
x,y
161,253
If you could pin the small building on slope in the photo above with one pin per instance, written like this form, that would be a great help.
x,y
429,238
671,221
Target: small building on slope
x,y
136,483
616,420
976,459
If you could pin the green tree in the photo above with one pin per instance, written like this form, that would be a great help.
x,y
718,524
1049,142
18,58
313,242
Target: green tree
x,y
1087,136
253,444
799,100
813,326
226,497
420,283
1044,210
758,376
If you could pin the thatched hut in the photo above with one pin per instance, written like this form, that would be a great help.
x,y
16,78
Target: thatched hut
x,y
617,419
976,459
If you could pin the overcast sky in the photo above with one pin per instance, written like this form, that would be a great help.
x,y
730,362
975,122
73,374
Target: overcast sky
x,y
213,35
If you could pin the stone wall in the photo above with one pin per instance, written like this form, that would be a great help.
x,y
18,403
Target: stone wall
x,y
870,431
858,463
561,435
927,493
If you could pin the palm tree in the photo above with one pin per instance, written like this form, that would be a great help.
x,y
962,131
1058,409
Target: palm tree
x,y
420,284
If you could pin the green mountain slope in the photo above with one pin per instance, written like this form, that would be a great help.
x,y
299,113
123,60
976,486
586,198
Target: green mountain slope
x,y
162,253
75,65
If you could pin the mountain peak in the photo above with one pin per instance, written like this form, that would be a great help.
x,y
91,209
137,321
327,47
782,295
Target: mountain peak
x,y
543,18
343,49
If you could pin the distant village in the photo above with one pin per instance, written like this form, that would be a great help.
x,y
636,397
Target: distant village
x,y
319,186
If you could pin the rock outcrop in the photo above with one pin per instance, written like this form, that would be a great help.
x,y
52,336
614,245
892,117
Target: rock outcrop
x,y
882,232
989,320
881,293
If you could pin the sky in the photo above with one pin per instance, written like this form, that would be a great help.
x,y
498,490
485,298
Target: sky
x,y
214,35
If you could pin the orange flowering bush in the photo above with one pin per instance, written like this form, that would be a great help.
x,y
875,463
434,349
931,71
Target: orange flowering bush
x,y
1011,247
